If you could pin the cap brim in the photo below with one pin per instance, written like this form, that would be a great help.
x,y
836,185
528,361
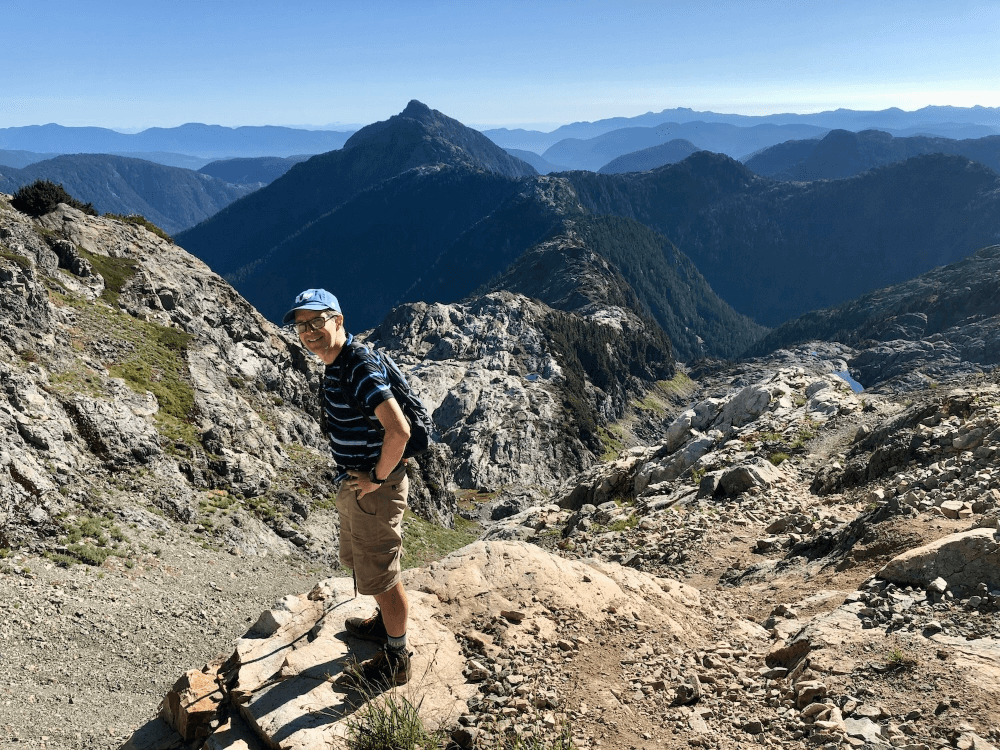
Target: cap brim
x,y
290,315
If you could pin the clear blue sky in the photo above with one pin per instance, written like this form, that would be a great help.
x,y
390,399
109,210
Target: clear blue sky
x,y
544,62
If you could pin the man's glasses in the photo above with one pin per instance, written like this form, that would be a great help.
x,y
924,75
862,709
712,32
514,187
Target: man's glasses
x,y
313,324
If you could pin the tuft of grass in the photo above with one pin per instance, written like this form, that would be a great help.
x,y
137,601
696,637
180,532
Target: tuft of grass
x,y
389,722
629,522
141,221
87,541
899,660
116,272
425,542
262,506
778,458
697,474
19,260
89,554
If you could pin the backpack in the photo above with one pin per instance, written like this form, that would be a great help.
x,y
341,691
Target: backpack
x,y
421,425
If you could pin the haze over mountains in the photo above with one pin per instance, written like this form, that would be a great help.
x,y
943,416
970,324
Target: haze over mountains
x,y
593,153
195,139
950,122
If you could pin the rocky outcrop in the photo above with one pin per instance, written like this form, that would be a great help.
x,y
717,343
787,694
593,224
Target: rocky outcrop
x,y
281,685
962,561
131,376
503,378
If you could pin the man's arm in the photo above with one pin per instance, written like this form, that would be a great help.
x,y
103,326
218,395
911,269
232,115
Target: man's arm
x,y
397,432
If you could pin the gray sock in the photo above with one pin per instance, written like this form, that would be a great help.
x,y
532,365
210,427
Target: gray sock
x,y
397,644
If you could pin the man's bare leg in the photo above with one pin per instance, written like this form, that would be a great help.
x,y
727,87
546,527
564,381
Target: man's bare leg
x,y
395,609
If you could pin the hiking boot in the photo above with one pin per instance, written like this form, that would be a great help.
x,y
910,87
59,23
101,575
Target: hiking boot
x,y
384,670
369,628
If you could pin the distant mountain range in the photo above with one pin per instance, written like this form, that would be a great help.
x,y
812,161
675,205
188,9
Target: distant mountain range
x,y
455,216
842,153
431,210
645,159
950,122
21,159
541,165
733,140
257,171
170,197
775,250
193,139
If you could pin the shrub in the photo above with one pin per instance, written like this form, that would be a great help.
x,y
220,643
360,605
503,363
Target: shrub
x,y
42,197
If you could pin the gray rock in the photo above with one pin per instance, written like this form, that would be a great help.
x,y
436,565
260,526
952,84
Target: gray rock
x,y
864,729
757,474
963,560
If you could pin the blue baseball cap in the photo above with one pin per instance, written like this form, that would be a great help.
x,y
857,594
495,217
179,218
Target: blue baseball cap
x,y
312,299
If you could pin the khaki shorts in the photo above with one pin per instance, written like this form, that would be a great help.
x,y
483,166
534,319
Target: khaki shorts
x,y
371,532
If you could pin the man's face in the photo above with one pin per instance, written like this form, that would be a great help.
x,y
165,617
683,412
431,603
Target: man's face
x,y
318,342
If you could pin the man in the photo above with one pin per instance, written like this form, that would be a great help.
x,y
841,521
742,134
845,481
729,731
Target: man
x,y
373,494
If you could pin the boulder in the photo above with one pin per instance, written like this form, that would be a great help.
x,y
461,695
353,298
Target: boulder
x,y
741,478
964,560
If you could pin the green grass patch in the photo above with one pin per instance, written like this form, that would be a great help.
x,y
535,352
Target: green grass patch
x,y
679,385
629,522
778,458
88,540
262,507
154,361
116,272
425,542
19,260
650,403
611,438
141,221
390,722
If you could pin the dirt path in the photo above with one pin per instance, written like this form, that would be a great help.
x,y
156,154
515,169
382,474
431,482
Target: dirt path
x,y
88,653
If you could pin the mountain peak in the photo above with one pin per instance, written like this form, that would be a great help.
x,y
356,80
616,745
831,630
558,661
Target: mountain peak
x,y
416,110
420,136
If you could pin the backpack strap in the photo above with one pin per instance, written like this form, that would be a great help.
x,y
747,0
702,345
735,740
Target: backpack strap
x,y
348,391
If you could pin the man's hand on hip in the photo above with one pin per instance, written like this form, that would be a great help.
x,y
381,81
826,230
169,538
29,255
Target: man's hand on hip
x,y
359,481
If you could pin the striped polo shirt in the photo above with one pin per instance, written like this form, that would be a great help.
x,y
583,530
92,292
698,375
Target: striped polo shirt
x,y
354,444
